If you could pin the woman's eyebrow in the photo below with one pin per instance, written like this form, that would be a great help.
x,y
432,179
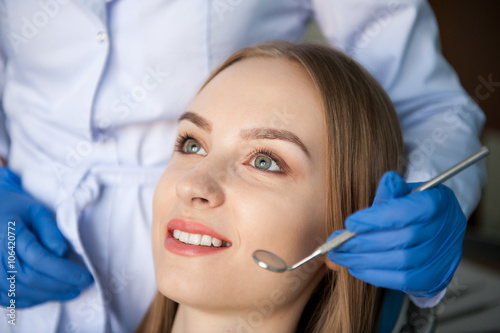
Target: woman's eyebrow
x,y
249,134
197,120
273,134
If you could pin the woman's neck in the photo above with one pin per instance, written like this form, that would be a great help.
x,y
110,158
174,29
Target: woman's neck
x,y
260,319
274,315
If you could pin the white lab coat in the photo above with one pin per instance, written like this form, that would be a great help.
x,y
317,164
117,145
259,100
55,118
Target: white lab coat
x,y
91,91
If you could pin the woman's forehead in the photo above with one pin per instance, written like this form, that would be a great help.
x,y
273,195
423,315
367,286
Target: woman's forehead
x,y
275,92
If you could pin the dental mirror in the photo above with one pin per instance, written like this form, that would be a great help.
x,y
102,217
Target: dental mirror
x,y
274,263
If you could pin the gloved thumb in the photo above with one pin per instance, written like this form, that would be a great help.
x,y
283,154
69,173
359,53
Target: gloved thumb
x,y
391,186
9,179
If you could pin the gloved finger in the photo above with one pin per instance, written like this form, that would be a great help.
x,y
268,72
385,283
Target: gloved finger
x,y
41,282
397,213
385,240
20,303
442,274
37,257
430,249
413,186
45,227
398,260
30,296
9,179
36,296
390,186
425,281
396,280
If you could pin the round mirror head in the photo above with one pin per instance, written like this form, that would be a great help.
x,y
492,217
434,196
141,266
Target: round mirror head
x,y
269,261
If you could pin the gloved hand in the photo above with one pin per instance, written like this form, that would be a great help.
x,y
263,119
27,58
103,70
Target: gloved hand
x,y
408,242
42,272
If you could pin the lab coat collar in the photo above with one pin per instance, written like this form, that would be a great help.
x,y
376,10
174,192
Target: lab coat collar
x,y
96,7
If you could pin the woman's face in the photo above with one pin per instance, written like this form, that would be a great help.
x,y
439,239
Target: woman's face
x,y
248,173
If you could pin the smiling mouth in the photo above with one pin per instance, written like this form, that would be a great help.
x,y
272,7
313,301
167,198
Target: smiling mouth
x,y
198,239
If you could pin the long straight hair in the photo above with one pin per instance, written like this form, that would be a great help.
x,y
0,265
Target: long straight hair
x,y
364,140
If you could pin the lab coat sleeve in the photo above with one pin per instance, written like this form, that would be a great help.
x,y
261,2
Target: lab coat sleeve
x,y
398,43
4,138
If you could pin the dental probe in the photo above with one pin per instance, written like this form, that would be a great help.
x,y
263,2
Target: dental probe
x,y
272,262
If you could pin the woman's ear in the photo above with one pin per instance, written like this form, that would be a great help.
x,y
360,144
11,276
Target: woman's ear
x,y
331,265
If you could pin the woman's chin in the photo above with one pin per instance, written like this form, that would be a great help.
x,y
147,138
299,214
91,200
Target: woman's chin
x,y
197,300
192,291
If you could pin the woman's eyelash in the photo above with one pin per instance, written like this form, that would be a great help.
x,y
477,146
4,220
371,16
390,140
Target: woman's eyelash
x,y
264,151
184,137
181,141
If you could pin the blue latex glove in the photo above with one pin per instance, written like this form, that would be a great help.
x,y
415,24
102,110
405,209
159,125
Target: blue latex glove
x,y
42,272
408,242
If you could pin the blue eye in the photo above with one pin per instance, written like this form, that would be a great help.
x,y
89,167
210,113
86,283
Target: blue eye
x,y
193,147
266,163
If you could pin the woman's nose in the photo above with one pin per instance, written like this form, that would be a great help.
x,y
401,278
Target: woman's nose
x,y
200,187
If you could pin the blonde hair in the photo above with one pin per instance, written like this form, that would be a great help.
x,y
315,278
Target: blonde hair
x,y
364,140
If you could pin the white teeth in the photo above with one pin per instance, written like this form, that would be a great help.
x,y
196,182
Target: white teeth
x,y
206,240
184,237
197,239
194,239
177,233
216,242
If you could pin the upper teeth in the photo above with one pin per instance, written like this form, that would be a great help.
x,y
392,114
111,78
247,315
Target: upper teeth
x,y
197,239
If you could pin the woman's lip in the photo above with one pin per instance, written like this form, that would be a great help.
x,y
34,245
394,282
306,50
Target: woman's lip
x,y
193,227
175,246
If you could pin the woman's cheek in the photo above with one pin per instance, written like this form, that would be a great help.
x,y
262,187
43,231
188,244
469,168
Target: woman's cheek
x,y
309,215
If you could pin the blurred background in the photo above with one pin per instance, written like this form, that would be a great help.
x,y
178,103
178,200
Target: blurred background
x,y
470,40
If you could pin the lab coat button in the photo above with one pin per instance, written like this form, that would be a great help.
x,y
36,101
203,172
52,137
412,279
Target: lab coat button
x,y
101,36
